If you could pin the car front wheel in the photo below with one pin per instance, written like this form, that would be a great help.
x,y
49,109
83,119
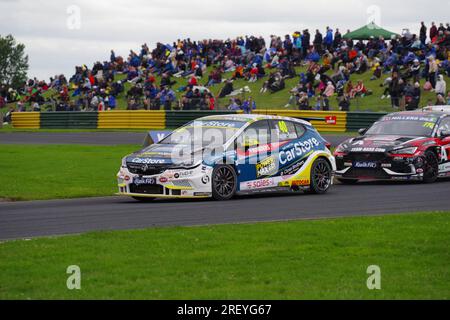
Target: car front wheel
x,y
224,182
430,167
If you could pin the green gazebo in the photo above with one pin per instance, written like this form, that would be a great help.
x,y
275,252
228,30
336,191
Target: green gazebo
x,y
369,31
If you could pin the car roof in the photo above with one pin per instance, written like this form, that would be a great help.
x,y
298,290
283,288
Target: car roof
x,y
444,109
250,118
419,112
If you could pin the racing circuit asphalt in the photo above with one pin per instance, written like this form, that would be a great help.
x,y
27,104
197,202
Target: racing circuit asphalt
x,y
58,217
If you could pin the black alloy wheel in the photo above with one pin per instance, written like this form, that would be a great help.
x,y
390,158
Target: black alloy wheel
x,y
224,182
430,167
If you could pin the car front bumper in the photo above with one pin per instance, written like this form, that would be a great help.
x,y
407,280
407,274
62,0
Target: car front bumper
x,y
378,166
171,183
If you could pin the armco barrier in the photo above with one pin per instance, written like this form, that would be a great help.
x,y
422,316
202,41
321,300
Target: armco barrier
x,y
156,120
69,120
359,120
26,120
140,119
337,121
175,119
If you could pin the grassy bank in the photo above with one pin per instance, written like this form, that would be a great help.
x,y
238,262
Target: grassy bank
x,y
324,259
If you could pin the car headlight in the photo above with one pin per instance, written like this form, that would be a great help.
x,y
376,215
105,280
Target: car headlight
x,y
409,150
341,148
187,165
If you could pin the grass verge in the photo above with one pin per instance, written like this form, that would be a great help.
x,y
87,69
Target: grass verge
x,y
36,172
324,259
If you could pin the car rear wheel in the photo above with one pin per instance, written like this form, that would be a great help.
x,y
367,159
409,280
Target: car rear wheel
x,y
321,175
143,199
430,167
348,181
224,182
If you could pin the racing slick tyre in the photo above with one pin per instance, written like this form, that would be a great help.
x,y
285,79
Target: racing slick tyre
x,y
224,182
143,199
430,167
321,175
348,181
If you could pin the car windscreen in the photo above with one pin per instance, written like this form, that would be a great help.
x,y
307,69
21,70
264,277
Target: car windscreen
x,y
404,126
204,133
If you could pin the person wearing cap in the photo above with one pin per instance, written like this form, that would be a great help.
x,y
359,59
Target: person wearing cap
x,y
414,70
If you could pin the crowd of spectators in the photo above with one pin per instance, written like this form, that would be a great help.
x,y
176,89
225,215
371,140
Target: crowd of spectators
x,y
331,64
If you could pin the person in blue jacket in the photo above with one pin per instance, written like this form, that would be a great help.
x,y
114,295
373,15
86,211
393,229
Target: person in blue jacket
x,y
328,41
249,105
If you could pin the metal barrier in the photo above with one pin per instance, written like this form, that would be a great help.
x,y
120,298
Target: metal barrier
x,y
26,120
139,119
330,121
358,120
68,120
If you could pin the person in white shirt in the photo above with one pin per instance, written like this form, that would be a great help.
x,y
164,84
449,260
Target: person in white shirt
x,y
441,86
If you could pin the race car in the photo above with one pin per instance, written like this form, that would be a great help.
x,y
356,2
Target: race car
x,y
228,155
413,145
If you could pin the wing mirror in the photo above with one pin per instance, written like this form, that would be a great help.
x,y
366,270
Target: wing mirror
x,y
445,134
362,131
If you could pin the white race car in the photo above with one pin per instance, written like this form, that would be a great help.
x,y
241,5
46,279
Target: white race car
x,y
221,156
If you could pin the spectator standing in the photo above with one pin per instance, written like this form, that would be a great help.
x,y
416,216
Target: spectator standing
x,y
423,33
306,42
318,40
433,31
441,86
249,105
433,69
167,96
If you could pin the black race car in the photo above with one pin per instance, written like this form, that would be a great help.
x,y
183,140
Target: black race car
x,y
400,146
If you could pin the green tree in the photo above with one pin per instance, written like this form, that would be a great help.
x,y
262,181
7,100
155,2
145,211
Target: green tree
x,y
13,62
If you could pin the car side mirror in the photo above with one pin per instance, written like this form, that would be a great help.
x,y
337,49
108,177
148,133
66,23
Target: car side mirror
x,y
362,131
445,134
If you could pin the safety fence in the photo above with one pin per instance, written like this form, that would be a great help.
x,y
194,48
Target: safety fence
x,y
324,121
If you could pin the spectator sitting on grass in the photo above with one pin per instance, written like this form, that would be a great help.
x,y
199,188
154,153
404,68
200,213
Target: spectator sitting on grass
x,y
303,102
234,104
440,101
359,90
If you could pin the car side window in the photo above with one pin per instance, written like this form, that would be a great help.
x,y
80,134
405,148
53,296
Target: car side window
x,y
300,130
284,130
444,126
256,134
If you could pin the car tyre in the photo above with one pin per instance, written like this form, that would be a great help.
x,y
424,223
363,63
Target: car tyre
x,y
321,176
224,182
430,167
